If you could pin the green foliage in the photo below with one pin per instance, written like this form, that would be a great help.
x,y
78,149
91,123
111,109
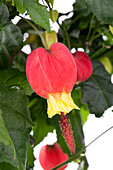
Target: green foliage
x,y
37,12
102,9
20,4
3,1
17,122
38,108
4,136
8,33
84,112
98,90
30,157
13,78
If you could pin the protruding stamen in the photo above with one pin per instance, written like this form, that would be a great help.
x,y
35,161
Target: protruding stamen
x,y
67,132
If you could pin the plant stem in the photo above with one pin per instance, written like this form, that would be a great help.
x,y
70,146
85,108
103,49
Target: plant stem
x,y
35,30
74,157
77,17
68,40
94,31
99,34
90,28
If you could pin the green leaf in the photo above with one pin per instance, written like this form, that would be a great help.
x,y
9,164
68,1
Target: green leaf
x,y
79,5
4,136
76,122
13,77
30,156
4,14
97,92
38,13
102,9
9,33
76,95
84,112
6,166
15,113
20,61
20,6
38,109
3,1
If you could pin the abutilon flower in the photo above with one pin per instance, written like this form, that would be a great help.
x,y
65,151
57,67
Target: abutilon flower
x,y
52,74
84,66
51,156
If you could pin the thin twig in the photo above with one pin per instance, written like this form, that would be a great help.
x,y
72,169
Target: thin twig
x,y
90,28
35,30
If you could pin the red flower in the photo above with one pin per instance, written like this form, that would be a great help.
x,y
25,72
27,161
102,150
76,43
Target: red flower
x,y
52,75
51,156
84,66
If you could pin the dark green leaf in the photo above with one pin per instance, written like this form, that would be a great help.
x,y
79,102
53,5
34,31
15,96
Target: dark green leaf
x,y
79,5
30,156
20,6
4,14
4,136
102,9
20,61
76,122
97,92
15,113
10,44
38,13
6,166
13,77
38,109
76,95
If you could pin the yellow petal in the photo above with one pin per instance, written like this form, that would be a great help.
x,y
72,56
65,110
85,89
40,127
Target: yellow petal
x,y
58,103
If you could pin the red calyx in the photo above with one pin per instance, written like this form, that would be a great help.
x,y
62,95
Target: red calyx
x,y
51,156
84,66
51,71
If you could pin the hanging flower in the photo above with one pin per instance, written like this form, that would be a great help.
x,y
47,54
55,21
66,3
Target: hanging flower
x,y
84,66
51,156
52,74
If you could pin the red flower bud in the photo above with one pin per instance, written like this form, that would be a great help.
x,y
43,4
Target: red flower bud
x,y
51,156
84,66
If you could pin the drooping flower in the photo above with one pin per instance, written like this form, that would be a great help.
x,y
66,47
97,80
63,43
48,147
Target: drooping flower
x,y
52,74
84,66
51,156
